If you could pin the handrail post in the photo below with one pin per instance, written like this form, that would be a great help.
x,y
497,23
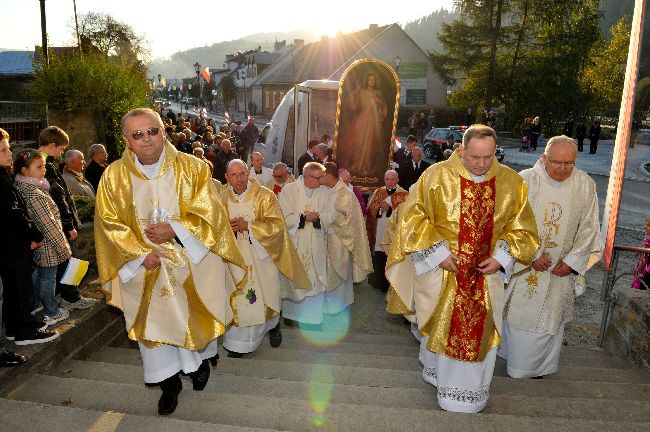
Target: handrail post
x,y
608,282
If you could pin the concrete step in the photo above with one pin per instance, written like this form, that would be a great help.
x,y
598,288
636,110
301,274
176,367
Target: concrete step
x,y
13,415
42,417
298,415
568,368
390,345
251,377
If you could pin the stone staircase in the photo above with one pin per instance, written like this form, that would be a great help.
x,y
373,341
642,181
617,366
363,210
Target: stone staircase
x,y
370,380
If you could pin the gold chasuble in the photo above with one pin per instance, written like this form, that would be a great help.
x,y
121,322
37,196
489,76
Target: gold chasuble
x,y
260,208
349,242
178,303
459,313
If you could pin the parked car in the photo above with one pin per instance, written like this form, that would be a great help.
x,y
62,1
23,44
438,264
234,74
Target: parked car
x,y
435,141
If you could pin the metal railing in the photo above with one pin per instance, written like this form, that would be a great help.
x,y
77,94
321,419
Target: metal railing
x,y
12,111
609,281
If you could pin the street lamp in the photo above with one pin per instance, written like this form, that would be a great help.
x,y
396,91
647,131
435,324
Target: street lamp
x,y
244,77
197,68
397,61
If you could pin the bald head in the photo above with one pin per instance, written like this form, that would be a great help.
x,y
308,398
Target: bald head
x,y
237,175
257,161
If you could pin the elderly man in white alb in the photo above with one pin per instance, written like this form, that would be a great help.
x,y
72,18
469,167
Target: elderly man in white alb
x,y
258,171
73,174
257,223
540,298
308,210
348,251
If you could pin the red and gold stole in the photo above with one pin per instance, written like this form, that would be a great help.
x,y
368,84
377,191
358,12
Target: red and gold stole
x,y
471,302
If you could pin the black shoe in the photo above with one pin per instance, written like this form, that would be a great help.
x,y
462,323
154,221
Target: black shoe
x,y
9,359
168,402
275,336
235,354
201,376
538,377
214,360
36,337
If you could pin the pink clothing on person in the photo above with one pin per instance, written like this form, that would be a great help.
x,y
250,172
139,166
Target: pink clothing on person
x,y
642,266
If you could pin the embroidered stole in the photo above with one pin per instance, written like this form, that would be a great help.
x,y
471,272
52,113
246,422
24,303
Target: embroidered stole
x,y
529,287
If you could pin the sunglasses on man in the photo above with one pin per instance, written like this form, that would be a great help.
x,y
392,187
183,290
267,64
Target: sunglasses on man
x,y
138,134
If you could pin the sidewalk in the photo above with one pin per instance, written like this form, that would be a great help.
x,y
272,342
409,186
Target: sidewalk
x,y
596,164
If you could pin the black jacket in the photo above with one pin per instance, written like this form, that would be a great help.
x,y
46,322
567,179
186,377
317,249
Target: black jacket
x,y
401,158
93,173
303,160
19,230
221,163
409,175
61,196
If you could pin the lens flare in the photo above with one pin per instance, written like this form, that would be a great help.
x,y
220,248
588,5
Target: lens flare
x,y
321,382
334,329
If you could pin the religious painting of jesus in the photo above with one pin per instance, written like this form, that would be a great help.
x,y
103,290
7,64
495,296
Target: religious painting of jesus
x,y
365,120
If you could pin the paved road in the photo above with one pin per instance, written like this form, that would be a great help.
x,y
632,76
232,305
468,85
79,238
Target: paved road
x,y
176,107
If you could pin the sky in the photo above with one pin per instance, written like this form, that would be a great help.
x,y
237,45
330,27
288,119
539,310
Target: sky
x,y
172,26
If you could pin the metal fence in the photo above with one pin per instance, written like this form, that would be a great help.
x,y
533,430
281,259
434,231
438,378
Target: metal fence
x,y
610,279
22,120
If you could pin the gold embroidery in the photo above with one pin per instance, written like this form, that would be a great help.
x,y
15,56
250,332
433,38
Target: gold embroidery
x,y
166,291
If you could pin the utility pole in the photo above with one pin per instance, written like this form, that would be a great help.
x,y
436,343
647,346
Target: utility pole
x,y
44,32
76,23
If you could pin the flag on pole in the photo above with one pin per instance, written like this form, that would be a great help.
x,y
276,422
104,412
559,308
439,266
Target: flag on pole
x,y
195,110
206,74
204,112
226,116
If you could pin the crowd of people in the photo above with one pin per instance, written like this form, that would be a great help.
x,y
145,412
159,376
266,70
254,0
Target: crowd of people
x,y
40,214
481,260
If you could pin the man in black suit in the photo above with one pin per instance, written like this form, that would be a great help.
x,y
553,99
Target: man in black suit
x,y
308,156
413,170
403,155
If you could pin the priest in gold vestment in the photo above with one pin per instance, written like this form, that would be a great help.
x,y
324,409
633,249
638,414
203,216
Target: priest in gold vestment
x,y
308,210
348,253
261,234
470,221
162,256
540,298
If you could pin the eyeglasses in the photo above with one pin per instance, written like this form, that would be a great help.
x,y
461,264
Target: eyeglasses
x,y
138,135
317,178
558,164
280,176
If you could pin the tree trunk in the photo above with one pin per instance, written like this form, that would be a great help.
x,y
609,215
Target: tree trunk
x,y
496,30
515,57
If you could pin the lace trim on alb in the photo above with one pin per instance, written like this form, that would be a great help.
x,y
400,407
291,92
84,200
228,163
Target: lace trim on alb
x,y
474,397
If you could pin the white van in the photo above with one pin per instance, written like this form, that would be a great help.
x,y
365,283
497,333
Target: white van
x,y
285,138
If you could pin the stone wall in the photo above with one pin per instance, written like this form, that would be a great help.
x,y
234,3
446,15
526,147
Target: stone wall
x,y
81,125
85,244
628,329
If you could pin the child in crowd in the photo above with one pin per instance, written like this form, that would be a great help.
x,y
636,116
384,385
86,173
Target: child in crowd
x,y
642,271
19,239
52,142
32,186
